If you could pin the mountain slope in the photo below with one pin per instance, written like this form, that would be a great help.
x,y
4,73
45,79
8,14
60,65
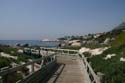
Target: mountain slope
x,y
120,40
121,26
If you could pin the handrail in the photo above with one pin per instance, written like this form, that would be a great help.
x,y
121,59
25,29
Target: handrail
x,y
37,76
4,72
93,77
10,70
59,49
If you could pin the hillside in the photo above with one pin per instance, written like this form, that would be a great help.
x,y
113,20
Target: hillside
x,y
121,26
120,40
110,62
112,67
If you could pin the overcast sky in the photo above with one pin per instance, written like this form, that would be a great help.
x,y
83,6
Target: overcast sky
x,y
38,19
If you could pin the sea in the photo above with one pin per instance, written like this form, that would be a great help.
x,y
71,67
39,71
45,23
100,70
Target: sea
x,y
30,42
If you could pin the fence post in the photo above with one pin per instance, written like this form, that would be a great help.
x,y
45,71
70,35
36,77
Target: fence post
x,y
1,81
32,68
68,52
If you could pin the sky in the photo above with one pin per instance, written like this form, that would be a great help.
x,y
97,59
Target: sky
x,y
39,19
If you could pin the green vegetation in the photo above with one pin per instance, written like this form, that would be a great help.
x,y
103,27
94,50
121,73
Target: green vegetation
x,y
72,47
23,57
4,62
12,77
8,50
120,40
13,52
87,54
113,69
93,46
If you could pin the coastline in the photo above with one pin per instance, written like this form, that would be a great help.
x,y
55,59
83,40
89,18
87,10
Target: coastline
x,y
30,42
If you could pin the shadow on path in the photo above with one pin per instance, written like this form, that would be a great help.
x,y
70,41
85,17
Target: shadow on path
x,y
54,75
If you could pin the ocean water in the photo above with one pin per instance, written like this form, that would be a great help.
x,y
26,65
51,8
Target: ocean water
x,y
30,42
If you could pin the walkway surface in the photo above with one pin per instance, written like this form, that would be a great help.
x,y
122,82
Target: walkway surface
x,y
70,71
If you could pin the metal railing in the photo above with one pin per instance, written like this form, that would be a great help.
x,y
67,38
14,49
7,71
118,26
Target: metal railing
x,y
92,75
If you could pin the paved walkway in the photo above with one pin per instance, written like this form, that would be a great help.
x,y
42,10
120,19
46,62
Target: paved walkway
x,y
70,71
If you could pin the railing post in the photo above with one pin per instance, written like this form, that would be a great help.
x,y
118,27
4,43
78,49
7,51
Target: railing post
x,y
1,81
62,52
32,68
51,59
42,62
39,53
30,52
68,52
54,57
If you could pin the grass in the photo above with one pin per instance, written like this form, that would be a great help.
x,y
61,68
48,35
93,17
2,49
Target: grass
x,y
8,50
113,69
4,62
72,47
13,52
120,40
